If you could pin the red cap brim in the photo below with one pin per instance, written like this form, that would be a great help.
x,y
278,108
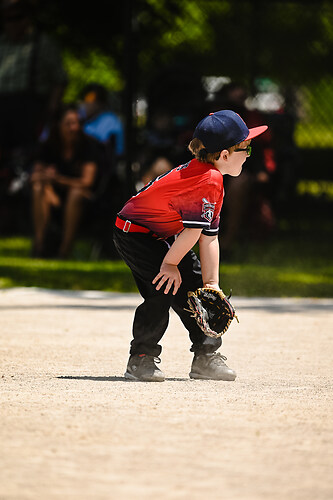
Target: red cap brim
x,y
254,132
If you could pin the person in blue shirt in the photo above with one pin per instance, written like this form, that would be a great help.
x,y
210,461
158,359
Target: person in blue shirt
x,y
97,118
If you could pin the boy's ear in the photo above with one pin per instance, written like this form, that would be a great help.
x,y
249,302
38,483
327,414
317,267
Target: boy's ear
x,y
225,154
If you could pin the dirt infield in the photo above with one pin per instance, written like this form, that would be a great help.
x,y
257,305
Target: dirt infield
x,y
73,428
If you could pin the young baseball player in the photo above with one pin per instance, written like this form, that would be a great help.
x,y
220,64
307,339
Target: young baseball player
x,y
156,231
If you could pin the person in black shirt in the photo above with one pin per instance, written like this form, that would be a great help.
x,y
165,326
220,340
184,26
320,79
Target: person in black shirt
x,y
63,176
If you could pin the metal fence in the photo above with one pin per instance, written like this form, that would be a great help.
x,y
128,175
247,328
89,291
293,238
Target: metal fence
x,y
269,58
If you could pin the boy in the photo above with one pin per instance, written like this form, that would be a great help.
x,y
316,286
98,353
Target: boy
x,y
156,231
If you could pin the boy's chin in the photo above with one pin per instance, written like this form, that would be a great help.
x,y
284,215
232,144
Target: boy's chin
x,y
236,174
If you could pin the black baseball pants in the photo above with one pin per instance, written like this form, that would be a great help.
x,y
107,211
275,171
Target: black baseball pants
x,y
144,254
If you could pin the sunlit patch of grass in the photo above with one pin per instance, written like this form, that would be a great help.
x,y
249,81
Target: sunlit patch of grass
x,y
6,283
15,246
307,278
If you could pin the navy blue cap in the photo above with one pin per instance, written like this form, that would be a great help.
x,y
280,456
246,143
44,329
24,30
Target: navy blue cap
x,y
224,129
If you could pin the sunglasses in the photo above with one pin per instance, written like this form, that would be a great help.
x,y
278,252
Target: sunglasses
x,y
248,150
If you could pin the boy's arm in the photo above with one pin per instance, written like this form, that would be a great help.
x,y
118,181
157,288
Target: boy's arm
x,y
169,272
209,249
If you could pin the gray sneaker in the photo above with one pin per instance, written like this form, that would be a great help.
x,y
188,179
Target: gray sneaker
x,y
211,367
142,367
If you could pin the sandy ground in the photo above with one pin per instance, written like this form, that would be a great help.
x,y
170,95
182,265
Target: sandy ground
x,y
73,428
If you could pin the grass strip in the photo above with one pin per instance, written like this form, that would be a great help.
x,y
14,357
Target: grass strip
x,y
295,276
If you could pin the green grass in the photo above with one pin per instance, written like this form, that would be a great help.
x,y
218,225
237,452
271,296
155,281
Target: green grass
x,y
18,269
280,267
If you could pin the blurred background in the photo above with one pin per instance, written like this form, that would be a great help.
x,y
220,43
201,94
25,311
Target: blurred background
x,y
142,74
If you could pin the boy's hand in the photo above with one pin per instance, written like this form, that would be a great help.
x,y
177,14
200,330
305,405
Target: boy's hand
x,y
212,285
170,275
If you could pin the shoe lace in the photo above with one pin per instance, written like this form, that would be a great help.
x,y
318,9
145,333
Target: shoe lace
x,y
218,358
149,359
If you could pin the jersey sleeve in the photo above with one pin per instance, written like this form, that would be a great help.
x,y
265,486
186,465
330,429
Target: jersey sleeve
x,y
199,208
213,230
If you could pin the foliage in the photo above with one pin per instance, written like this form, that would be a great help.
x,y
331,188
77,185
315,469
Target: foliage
x,y
243,39
96,67
288,42
315,127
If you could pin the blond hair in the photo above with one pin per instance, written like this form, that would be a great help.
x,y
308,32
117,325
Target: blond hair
x,y
201,154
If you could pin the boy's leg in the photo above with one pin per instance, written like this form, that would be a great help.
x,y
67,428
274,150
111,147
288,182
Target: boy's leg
x,y
144,254
207,364
190,270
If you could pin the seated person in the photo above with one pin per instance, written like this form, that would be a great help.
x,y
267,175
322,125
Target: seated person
x,y
64,175
98,120
159,167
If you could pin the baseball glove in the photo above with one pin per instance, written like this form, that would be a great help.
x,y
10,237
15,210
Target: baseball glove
x,y
211,310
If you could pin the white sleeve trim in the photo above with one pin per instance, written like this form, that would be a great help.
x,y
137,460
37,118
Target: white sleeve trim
x,y
210,232
192,223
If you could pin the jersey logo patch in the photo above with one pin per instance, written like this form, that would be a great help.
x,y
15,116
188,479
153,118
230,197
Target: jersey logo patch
x,y
207,210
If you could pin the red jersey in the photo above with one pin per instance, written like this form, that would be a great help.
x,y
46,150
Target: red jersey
x,y
190,195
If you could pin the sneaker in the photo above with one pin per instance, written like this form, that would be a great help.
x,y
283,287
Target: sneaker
x,y
142,367
211,367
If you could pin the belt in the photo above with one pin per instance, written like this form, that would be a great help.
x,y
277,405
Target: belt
x,y
129,227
